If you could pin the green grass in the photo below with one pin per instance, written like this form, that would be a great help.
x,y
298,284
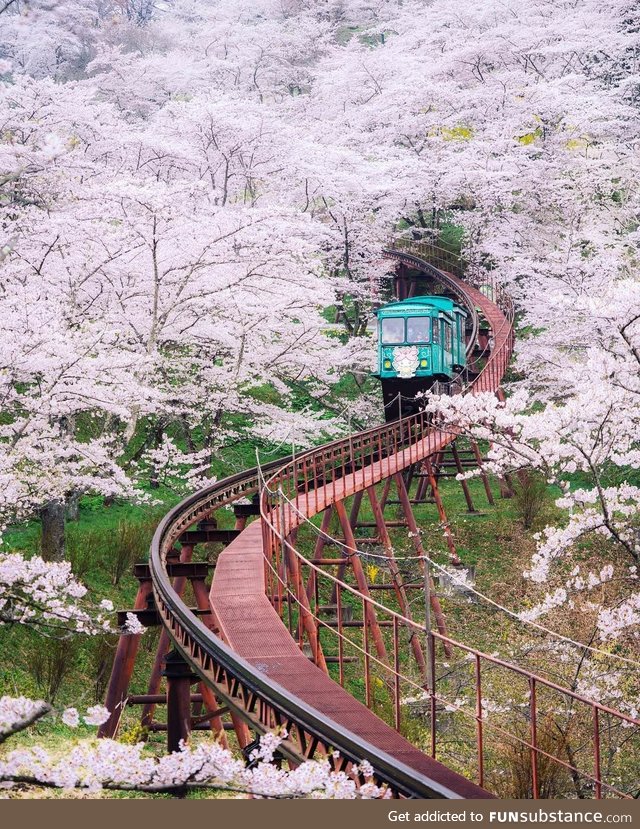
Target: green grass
x,y
493,540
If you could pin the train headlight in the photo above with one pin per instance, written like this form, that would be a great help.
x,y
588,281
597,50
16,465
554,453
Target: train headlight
x,y
387,364
423,363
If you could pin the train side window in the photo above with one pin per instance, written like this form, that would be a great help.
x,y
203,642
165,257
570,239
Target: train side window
x,y
436,331
392,330
418,329
447,337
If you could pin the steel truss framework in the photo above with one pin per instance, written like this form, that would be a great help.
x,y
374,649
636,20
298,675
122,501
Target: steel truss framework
x,y
254,673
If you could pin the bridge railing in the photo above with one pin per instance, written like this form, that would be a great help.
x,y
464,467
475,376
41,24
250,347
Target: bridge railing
x,y
439,259
254,697
316,479
441,264
509,720
257,699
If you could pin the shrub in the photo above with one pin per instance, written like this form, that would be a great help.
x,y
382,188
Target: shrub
x,y
530,496
50,663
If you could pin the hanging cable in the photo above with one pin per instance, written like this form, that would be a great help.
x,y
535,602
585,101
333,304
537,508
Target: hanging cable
x,y
351,552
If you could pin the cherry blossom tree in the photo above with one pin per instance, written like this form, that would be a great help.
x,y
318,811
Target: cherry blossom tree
x,y
188,186
147,307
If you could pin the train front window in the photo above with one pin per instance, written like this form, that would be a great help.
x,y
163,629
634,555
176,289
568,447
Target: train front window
x,y
392,330
418,329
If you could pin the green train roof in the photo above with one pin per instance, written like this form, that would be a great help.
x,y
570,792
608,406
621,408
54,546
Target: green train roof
x,y
420,303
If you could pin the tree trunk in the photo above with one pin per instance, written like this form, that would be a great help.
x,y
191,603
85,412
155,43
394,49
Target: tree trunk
x,y
73,507
506,489
158,431
53,541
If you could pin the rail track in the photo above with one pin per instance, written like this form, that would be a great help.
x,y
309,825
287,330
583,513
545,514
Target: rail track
x,y
264,646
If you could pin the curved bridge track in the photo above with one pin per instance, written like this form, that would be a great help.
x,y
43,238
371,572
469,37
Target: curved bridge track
x,y
269,674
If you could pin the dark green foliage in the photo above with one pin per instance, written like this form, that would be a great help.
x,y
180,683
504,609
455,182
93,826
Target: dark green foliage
x,y
100,651
128,544
529,496
50,662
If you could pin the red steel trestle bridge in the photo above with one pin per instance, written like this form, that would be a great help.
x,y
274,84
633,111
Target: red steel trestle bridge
x,y
283,628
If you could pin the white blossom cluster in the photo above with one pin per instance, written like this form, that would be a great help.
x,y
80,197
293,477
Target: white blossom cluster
x,y
46,594
172,468
563,595
97,764
133,625
106,763
559,442
614,620
96,715
14,710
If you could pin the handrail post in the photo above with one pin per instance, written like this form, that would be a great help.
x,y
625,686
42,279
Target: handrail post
x,y
533,713
479,726
365,644
596,753
340,635
431,653
432,696
427,622
396,674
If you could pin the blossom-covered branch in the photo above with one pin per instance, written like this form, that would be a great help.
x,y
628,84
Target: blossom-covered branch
x,y
107,764
45,595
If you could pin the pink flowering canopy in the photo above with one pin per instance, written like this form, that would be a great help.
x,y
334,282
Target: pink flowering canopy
x,y
188,187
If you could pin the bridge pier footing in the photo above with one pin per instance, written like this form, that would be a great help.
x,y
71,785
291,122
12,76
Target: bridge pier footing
x,y
179,678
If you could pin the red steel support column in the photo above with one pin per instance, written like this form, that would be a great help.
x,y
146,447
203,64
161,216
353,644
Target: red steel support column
x,y
353,523
483,474
400,592
318,550
371,619
463,483
417,543
122,669
308,622
441,512
355,509
213,704
164,644
179,679
385,493
422,490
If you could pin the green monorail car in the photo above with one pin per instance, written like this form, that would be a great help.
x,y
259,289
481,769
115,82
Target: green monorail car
x,y
420,341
